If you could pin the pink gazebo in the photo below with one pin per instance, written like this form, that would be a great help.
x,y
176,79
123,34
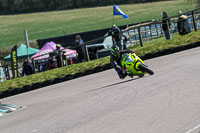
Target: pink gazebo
x,y
50,47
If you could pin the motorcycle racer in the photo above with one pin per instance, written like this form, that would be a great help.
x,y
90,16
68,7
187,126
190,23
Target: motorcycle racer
x,y
115,60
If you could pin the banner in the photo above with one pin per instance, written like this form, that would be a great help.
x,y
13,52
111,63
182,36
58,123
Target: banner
x,y
118,11
14,62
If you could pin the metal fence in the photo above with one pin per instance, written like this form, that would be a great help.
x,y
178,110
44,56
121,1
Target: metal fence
x,y
150,30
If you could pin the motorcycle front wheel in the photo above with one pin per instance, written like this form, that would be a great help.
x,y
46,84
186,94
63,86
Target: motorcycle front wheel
x,y
145,68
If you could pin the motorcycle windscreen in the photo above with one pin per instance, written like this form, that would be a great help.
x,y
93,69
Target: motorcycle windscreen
x,y
128,61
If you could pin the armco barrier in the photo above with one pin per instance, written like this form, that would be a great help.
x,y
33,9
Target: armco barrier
x,y
14,91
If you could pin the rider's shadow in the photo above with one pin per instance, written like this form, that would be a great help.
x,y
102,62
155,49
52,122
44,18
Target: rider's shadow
x,y
114,84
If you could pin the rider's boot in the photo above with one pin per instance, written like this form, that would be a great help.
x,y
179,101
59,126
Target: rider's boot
x,y
130,75
122,75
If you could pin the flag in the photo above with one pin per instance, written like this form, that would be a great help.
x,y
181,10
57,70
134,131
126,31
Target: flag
x,y
118,11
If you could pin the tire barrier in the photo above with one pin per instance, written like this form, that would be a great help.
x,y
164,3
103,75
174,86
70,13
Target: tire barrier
x,y
77,75
46,83
68,77
160,53
5,93
36,86
178,49
98,69
57,80
88,72
147,56
168,51
25,88
14,91
107,66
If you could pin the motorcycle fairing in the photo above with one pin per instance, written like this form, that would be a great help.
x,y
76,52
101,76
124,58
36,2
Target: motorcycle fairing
x,y
131,63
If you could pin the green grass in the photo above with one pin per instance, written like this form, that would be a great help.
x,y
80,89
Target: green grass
x,y
150,46
51,24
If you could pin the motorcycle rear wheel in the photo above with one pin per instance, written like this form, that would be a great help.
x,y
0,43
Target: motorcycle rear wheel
x,y
144,68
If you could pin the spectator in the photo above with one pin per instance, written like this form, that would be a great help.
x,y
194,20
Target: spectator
x,y
56,58
117,36
115,32
65,62
166,25
27,68
79,48
58,53
7,73
125,39
182,24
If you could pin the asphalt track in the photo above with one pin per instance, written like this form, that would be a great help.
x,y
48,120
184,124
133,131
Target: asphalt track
x,y
167,102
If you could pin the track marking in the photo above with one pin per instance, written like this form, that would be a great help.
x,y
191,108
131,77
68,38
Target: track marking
x,y
6,109
198,126
33,131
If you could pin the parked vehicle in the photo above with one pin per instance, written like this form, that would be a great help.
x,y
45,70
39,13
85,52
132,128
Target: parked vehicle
x,y
102,49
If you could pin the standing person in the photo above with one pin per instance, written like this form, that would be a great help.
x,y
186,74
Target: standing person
x,y
64,59
182,24
116,33
79,48
59,58
27,68
166,25
7,73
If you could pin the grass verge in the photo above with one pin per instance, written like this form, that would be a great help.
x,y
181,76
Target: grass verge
x,y
150,46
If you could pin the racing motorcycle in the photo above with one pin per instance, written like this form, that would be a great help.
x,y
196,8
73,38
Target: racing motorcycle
x,y
133,65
